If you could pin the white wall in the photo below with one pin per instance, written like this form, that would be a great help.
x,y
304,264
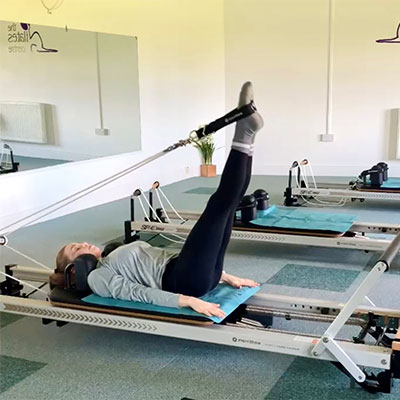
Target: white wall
x,y
67,82
282,45
181,80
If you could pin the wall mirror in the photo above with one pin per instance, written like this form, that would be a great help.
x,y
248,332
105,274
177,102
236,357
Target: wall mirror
x,y
66,95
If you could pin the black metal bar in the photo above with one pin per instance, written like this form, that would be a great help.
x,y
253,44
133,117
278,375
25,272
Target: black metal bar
x,y
34,291
132,208
151,216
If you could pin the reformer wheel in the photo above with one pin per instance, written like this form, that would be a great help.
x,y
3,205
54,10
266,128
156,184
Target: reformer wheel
x,y
3,240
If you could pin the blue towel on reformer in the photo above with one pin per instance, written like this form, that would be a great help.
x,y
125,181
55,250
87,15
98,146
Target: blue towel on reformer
x,y
391,183
294,218
227,296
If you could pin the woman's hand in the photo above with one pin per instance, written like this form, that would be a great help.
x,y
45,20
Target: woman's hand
x,y
201,306
237,282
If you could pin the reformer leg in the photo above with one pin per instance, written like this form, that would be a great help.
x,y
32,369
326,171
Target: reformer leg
x,y
327,341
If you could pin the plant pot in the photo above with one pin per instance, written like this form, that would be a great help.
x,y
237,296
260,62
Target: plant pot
x,y
208,170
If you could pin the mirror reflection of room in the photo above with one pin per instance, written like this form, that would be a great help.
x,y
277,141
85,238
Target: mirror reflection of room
x,y
61,99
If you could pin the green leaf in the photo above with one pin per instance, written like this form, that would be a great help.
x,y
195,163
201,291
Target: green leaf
x,y
206,148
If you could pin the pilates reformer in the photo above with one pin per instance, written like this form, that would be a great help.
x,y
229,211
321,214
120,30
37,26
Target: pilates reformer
x,y
249,325
7,163
162,221
371,184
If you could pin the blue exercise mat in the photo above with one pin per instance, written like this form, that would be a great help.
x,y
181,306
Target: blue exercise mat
x,y
391,183
227,296
294,218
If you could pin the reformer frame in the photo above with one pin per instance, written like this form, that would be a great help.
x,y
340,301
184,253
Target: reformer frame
x,y
292,194
355,238
350,357
333,191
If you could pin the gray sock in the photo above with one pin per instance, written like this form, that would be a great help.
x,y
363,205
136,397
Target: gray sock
x,y
246,128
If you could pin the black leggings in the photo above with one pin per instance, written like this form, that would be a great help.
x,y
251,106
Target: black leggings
x,y
198,268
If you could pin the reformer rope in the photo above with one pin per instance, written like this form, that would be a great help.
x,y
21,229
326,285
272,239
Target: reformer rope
x,y
27,257
169,203
181,239
318,201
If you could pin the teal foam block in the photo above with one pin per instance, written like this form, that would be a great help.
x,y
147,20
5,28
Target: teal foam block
x,y
227,296
294,218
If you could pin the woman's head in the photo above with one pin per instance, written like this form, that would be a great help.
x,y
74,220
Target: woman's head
x,y
66,255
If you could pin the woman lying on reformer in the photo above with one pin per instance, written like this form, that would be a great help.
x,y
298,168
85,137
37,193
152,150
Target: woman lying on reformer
x,y
140,272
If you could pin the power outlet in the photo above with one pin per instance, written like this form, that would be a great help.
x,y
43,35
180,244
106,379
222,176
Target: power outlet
x,y
327,137
102,131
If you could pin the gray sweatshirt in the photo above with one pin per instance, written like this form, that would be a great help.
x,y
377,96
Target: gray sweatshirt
x,y
134,272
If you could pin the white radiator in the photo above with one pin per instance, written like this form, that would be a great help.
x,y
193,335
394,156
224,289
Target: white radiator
x,y
23,122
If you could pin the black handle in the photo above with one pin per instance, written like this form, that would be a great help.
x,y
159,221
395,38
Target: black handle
x,y
233,116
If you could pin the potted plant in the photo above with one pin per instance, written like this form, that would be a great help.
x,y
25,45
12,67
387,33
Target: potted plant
x,y
206,148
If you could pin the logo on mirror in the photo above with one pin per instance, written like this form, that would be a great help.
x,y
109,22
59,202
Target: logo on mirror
x,y
23,37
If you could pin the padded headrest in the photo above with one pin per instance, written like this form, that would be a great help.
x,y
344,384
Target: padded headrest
x,y
83,265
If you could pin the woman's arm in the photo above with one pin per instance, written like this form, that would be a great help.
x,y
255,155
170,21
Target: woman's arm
x,y
237,282
201,306
107,283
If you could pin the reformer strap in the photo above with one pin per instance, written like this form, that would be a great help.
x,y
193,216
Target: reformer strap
x,y
233,116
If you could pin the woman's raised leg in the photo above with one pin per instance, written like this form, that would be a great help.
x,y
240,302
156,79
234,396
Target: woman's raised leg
x,y
194,271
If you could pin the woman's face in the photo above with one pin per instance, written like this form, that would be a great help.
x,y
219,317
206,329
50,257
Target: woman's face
x,y
74,250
